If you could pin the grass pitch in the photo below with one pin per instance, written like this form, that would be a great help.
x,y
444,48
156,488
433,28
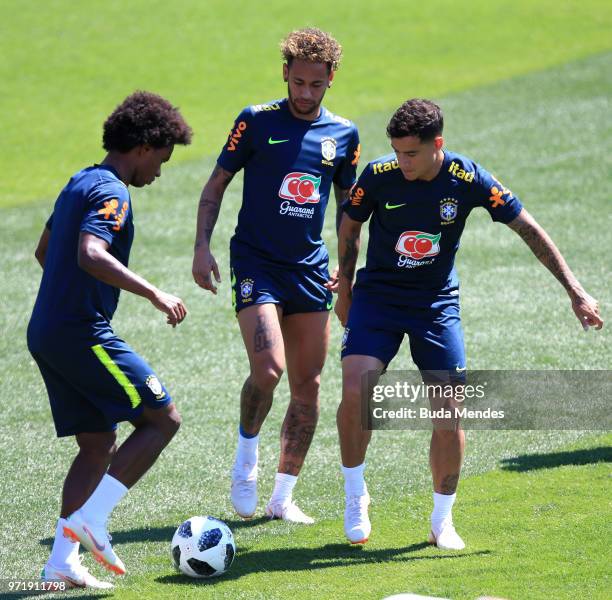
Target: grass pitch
x,y
64,65
515,315
531,532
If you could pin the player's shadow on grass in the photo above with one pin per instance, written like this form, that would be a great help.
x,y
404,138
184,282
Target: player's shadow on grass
x,y
162,534
531,462
325,557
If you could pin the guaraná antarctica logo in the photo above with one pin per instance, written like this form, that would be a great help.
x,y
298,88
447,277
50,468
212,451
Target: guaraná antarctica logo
x,y
301,188
418,244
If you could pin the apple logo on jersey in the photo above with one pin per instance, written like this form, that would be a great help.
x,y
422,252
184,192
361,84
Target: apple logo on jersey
x,y
301,188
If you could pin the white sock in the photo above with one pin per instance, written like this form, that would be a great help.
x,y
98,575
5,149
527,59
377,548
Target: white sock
x,y
247,451
64,551
443,506
105,497
283,488
354,483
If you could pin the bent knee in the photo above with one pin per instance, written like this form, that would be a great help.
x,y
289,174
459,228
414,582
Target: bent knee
x,y
307,390
97,445
172,422
266,376
166,420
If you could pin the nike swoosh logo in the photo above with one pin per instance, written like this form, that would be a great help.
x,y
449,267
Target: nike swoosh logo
x,y
392,206
100,547
461,369
330,304
271,141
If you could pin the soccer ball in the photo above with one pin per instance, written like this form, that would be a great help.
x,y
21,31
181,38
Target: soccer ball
x,y
203,547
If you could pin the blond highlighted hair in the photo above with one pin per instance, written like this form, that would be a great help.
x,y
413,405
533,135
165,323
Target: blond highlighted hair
x,y
312,45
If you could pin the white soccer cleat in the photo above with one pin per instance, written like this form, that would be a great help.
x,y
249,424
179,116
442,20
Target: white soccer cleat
x,y
94,538
447,538
357,526
289,511
74,576
244,490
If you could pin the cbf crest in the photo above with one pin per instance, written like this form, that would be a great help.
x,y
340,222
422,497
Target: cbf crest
x,y
328,149
246,288
448,210
155,386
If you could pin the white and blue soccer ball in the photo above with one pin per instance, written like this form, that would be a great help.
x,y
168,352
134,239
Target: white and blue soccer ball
x,y
203,547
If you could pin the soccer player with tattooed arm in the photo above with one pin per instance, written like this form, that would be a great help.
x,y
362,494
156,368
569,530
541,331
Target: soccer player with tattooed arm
x,y
292,151
417,200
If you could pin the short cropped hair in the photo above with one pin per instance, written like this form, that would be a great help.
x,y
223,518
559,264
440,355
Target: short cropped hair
x,y
145,118
312,45
417,117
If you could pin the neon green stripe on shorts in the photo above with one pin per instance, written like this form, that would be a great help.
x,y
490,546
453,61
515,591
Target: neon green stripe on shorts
x,y
118,374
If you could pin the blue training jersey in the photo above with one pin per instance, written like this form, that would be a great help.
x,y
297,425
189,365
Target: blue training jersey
x,y
415,226
289,167
95,200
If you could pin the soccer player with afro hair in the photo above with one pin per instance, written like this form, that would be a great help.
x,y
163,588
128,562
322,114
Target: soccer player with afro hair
x,y
94,379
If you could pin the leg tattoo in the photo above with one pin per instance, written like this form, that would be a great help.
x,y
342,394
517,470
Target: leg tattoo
x,y
264,337
449,484
296,436
254,406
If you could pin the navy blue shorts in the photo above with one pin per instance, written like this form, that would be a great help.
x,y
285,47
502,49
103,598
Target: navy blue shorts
x,y
92,387
296,290
376,328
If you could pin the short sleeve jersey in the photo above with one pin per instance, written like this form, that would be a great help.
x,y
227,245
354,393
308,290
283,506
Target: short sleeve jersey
x,y
415,226
96,201
289,167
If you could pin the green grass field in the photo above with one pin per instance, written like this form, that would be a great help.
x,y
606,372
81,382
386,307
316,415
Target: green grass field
x,y
530,102
64,65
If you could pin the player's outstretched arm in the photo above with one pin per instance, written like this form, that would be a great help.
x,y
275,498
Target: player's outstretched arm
x,y
95,259
204,262
41,250
349,239
584,306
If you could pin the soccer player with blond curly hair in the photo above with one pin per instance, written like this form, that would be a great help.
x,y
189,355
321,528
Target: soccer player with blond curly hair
x,y
292,150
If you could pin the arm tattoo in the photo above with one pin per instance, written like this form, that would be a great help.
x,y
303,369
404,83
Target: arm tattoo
x,y
210,203
341,196
544,249
210,211
264,337
222,175
348,259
